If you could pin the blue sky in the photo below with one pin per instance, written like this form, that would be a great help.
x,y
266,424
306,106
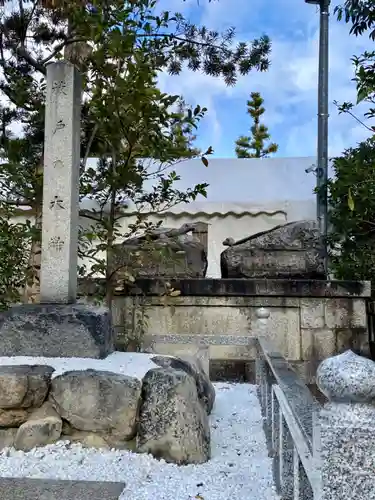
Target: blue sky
x,y
289,88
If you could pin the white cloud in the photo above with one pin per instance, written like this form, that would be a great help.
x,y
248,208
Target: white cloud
x,y
290,86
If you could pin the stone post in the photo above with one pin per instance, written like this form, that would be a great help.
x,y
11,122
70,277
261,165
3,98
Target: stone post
x,y
58,275
58,326
261,366
347,428
260,330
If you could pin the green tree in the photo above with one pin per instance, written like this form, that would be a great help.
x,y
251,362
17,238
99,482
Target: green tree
x,y
351,197
14,239
254,146
126,120
360,14
351,194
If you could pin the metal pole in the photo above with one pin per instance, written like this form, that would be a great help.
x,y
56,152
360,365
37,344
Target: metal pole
x,y
322,153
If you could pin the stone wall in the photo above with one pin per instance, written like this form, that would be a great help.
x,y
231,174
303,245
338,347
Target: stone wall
x,y
309,320
43,404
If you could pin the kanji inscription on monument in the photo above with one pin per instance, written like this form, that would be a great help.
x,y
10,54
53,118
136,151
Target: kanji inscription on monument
x,y
59,126
57,202
58,275
56,243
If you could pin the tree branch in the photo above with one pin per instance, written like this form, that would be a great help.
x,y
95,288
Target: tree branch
x,y
61,46
89,215
22,52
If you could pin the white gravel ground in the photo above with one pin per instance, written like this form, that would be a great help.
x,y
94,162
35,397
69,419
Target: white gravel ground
x,y
239,468
126,363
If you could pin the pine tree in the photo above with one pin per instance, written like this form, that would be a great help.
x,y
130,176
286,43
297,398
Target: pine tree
x,y
254,146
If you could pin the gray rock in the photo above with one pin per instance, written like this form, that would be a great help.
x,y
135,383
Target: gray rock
x,y
93,441
55,330
166,252
193,367
43,427
347,378
50,489
93,400
292,251
173,425
7,437
24,386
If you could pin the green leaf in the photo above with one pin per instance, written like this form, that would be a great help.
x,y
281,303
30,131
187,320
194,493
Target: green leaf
x,y
362,95
350,200
204,161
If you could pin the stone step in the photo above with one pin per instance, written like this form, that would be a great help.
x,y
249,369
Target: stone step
x,y
237,340
50,489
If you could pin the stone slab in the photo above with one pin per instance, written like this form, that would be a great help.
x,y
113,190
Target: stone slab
x,y
48,489
56,330
233,287
200,339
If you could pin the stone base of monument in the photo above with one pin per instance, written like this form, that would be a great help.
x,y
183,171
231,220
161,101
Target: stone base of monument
x,y
55,330
48,489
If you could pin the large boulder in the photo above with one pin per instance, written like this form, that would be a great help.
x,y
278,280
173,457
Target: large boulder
x,y
164,252
24,386
192,366
56,331
173,423
92,400
291,251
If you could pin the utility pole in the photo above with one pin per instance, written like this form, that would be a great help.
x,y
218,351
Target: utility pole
x,y
322,146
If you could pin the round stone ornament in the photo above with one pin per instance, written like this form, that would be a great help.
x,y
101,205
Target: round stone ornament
x,y
347,378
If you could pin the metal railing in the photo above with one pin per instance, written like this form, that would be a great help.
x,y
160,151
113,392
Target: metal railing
x,y
290,415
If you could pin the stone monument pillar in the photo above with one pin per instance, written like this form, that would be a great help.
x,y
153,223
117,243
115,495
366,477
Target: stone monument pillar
x,y
58,327
347,428
58,274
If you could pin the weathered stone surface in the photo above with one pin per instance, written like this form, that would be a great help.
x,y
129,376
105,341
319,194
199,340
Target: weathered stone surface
x,y
347,378
43,427
179,254
93,400
7,437
55,330
173,424
13,418
191,366
94,441
61,157
48,489
292,250
24,386
347,449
